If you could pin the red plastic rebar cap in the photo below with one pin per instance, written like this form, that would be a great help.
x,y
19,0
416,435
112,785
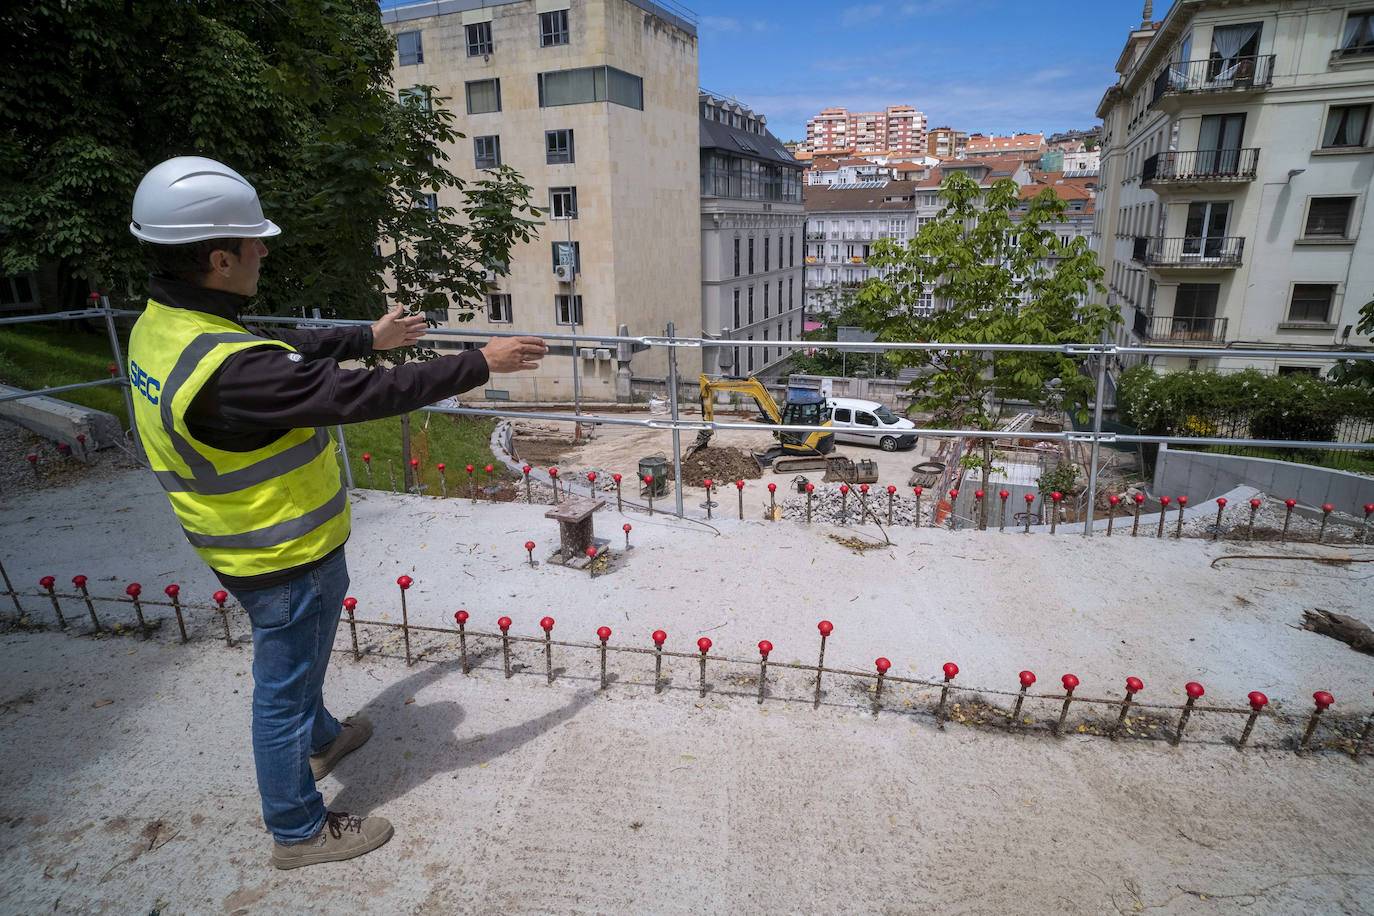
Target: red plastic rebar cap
x,y
1027,678
1113,499
591,475
739,484
810,487
525,469
350,604
1255,503
1030,498
891,489
1139,498
529,545
1327,507
220,597
1069,681
1221,501
47,581
951,670
660,637
863,488
172,591
503,623
488,469
1056,496
1323,699
1257,700
366,457
918,490
114,370
468,468
978,494
704,645
134,590
1164,500
1368,508
707,483
1290,503
461,616
553,472
625,527
547,624
649,479
1004,493
882,665
591,552
93,296
1134,684
844,488
1183,500
33,459
826,627
616,478
80,437
772,488
415,462
78,581
1194,689
63,447
953,494
404,582
765,647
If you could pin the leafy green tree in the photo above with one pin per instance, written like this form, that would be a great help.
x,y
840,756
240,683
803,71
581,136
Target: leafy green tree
x,y
995,279
841,311
1357,373
296,95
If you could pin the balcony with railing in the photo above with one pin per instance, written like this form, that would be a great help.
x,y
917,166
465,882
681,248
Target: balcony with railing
x,y
1199,167
1216,77
1184,330
1213,252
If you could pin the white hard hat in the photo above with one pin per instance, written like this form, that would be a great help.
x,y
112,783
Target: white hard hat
x,y
192,199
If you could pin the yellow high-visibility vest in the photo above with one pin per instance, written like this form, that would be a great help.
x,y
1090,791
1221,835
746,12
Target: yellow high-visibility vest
x,y
245,513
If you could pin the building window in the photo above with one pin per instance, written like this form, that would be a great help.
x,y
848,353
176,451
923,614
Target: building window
x,y
590,84
791,251
498,307
736,324
1309,371
569,308
410,48
558,146
779,297
564,254
751,255
1358,37
553,28
428,202
486,151
1311,303
563,203
1328,217
765,300
484,96
737,258
791,298
479,39
750,304
766,240
415,95
751,352
1346,125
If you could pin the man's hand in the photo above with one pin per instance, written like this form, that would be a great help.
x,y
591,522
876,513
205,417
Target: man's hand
x,y
512,354
397,329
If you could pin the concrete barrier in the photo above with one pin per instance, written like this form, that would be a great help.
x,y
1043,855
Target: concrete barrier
x,y
61,421
1203,475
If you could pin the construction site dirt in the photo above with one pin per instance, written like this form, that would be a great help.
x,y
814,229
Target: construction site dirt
x,y
129,775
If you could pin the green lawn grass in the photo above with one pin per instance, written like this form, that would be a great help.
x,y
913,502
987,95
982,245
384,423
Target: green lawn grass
x,y
37,355
455,441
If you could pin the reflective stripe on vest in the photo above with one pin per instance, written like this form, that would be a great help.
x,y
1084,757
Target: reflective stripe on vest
x,y
246,513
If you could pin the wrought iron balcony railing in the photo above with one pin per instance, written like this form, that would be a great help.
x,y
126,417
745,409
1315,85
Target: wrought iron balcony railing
x,y
1200,165
1238,73
1210,251
1179,329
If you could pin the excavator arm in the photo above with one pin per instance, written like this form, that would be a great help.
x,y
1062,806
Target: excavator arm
x,y
750,386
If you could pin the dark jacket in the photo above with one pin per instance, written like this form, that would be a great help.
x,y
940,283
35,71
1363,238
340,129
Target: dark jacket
x,y
260,394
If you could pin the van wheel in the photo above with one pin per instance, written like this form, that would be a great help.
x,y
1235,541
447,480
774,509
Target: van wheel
x,y
888,444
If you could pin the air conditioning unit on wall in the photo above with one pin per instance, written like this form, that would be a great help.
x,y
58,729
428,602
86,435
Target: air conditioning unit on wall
x,y
563,273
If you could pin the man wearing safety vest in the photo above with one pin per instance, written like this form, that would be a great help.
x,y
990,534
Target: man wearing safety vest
x,y
233,423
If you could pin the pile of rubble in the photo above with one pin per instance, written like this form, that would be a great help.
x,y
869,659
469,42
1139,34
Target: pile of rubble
x,y
830,506
722,465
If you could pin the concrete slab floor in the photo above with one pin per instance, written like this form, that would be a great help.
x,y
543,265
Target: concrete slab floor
x,y
130,783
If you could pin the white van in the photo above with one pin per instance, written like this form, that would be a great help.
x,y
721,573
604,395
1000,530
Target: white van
x,y
869,423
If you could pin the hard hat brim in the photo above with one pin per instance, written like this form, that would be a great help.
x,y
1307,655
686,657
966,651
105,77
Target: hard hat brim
x,y
187,234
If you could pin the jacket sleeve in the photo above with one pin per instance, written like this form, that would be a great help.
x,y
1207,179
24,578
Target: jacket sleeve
x,y
271,388
348,342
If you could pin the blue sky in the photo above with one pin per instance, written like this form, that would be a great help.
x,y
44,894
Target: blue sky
x,y
976,65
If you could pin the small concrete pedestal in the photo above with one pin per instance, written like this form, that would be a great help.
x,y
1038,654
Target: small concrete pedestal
x,y
574,517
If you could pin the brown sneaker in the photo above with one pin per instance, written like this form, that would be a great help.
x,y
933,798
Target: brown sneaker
x,y
341,837
356,731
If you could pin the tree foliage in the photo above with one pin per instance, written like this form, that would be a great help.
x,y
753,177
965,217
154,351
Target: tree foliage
x,y
995,279
294,94
1357,373
840,311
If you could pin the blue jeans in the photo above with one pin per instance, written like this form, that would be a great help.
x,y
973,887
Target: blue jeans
x,y
293,632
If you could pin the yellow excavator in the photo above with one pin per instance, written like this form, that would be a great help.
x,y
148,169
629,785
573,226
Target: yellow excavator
x,y
803,410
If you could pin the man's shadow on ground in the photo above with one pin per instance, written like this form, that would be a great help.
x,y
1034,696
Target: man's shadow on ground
x,y
386,768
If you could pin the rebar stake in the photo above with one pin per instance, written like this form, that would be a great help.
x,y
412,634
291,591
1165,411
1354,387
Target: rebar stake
x,y
1254,507
220,597
1027,678
891,495
951,670
649,482
1030,501
489,469
504,624
1112,502
1163,509
553,478
704,646
9,587
404,583
739,488
810,491
443,480
1133,686
1056,496
529,549
33,464
591,562
1326,513
1257,703
826,628
1195,693
173,592
773,504
1287,517
80,583
391,469
1002,517
64,450
978,508
1069,682
48,582
525,469
917,491
367,466
882,665
133,591
619,505
764,648
415,486
844,502
1178,527
1139,505
707,484
547,625
472,485
1364,737
660,638
461,618
591,484
626,528
1323,701
350,605
1364,534
81,444
867,509
1221,507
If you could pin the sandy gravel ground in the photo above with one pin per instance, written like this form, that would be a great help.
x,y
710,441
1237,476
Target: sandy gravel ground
x,y
129,773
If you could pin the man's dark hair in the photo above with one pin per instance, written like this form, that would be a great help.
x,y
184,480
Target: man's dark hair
x,y
190,263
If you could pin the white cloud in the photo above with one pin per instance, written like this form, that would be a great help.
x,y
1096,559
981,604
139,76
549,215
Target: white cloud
x,y
720,23
858,15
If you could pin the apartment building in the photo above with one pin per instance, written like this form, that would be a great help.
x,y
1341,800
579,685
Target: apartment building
x,y
897,129
752,244
1029,145
1236,176
842,223
946,142
593,102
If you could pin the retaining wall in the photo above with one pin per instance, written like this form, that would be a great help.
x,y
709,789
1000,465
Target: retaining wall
x,y
1204,475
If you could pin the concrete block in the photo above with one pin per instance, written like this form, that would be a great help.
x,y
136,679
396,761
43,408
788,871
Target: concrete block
x,y
61,421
